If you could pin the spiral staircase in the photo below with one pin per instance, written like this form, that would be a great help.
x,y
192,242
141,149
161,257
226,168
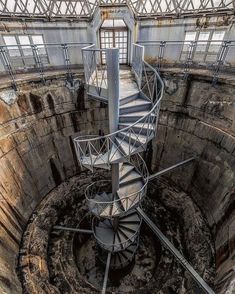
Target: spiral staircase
x,y
133,99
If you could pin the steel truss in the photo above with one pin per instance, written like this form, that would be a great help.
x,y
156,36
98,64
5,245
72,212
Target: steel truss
x,y
85,8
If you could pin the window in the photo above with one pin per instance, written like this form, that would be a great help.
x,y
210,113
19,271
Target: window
x,y
207,46
20,50
114,33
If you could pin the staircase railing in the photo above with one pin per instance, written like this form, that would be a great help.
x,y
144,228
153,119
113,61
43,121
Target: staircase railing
x,y
95,71
120,205
151,86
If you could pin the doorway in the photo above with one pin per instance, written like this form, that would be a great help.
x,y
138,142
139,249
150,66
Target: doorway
x,y
114,33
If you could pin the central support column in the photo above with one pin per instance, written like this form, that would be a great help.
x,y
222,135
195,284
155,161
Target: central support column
x,y
112,60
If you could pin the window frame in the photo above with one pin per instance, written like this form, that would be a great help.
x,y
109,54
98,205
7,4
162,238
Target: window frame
x,y
206,53
24,57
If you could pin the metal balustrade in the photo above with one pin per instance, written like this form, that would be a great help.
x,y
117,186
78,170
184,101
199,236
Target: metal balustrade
x,y
102,150
215,57
95,71
106,208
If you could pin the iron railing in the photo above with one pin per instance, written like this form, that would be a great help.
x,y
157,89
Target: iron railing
x,y
96,150
40,60
118,206
213,56
95,71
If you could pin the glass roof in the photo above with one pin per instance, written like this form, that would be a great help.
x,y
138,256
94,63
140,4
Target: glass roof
x,y
86,8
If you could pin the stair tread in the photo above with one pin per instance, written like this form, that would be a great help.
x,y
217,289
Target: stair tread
x,y
132,176
127,148
144,125
136,113
137,137
111,209
115,154
105,234
125,170
133,217
136,102
126,190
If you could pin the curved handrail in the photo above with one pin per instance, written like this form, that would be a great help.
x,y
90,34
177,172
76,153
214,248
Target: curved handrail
x,y
93,189
155,105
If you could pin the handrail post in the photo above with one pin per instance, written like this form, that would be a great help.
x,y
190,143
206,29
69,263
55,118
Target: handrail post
x,y
112,60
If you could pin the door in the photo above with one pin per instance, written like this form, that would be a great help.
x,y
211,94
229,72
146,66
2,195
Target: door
x,y
118,38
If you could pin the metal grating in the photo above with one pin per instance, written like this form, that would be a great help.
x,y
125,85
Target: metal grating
x,y
85,8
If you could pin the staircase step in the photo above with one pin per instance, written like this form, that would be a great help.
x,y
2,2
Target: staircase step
x,y
98,161
126,190
111,210
143,128
128,148
133,116
106,235
131,177
135,139
115,154
125,170
131,217
135,105
126,99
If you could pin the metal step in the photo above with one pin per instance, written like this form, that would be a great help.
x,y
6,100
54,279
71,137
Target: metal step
x,y
129,149
133,116
126,99
106,235
143,128
124,170
100,160
115,155
131,177
136,105
135,139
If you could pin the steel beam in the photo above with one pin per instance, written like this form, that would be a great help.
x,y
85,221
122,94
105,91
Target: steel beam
x,y
169,246
171,168
106,273
73,229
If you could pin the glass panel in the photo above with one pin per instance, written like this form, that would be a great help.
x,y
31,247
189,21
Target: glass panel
x,y
119,23
217,36
189,37
38,40
24,40
203,37
11,41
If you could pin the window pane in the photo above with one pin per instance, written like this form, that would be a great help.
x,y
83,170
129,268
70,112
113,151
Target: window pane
x,y
217,36
10,41
203,37
24,40
189,37
38,40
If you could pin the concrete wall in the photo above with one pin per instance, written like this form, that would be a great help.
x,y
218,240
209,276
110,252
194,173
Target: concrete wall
x,y
199,120
36,155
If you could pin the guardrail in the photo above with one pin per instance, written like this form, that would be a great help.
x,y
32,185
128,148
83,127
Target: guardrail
x,y
40,59
214,56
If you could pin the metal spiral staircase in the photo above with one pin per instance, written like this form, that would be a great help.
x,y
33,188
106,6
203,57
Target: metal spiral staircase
x,y
133,114
133,99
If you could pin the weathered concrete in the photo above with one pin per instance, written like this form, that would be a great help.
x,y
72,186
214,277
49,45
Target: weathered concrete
x,y
197,119
37,154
